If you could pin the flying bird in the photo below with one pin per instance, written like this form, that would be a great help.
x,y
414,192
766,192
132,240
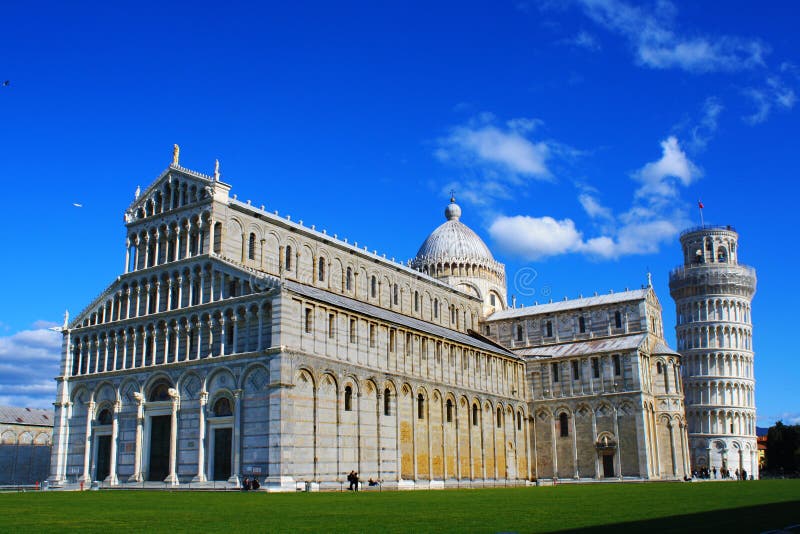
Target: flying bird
x,y
77,205
6,83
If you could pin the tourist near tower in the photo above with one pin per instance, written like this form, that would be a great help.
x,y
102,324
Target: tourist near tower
x,y
712,294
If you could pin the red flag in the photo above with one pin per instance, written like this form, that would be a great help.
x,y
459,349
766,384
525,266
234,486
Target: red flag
x,y
700,205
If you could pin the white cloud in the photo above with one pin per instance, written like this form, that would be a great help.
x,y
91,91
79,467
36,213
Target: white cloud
x,y
584,40
497,159
659,178
29,362
507,149
656,43
593,208
523,125
654,218
707,125
535,237
774,95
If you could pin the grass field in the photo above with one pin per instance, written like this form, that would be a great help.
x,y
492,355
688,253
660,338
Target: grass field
x,y
657,507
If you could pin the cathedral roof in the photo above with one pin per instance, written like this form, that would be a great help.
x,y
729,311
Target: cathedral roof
x,y
583,348
564,305
26,416
453,240
399,319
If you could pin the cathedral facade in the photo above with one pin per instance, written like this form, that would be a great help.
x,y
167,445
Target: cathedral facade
x,y
240,343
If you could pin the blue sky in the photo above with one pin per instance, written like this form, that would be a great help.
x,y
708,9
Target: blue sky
x,y
577,135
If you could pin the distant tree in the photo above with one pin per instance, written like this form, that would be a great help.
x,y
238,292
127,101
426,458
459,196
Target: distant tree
x,y
783,447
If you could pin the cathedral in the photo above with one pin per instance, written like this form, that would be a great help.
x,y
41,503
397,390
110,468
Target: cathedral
x,y
240,343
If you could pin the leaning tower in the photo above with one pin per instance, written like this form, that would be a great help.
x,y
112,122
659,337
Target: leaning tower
x,y
712,294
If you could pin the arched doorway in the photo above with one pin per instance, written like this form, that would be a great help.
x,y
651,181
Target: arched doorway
x,y
160,428
103,444
221,429
606,446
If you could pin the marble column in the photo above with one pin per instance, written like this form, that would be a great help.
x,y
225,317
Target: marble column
x,y
237,437
137,453
172,478
87,451
201,439
575,447
619,442
553,443
112,470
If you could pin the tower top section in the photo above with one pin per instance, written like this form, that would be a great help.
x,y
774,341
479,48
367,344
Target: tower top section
x,y
709,244
711,264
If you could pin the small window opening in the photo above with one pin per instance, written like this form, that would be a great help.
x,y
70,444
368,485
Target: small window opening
x,y
348,399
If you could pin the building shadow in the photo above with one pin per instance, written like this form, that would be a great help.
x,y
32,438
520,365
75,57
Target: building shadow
x,y
775,517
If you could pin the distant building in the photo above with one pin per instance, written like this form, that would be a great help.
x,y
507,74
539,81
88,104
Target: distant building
x,y
712,293
762,440
25,438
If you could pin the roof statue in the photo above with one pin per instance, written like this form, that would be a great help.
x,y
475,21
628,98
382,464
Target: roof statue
x,y
138,192
216,170
176,154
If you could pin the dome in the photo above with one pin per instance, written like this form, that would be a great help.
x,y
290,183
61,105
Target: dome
x,y
453,240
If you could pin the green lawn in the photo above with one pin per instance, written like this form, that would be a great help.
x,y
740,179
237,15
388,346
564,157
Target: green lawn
x,y
655,507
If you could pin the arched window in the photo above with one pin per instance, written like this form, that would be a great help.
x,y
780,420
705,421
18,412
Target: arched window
x,y
373,287
563,423
549,329
233,288
499,418
104,417
659,370
222,407
395,296
321,270
475,415
348,399
519,420
217,238
581,324
251,249
387,402
435,308
288,259
416,301
420,406
492,299
449,405
617,319
348,281
519,332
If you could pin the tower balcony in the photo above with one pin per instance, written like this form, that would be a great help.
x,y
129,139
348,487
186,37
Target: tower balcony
x,y
712,279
